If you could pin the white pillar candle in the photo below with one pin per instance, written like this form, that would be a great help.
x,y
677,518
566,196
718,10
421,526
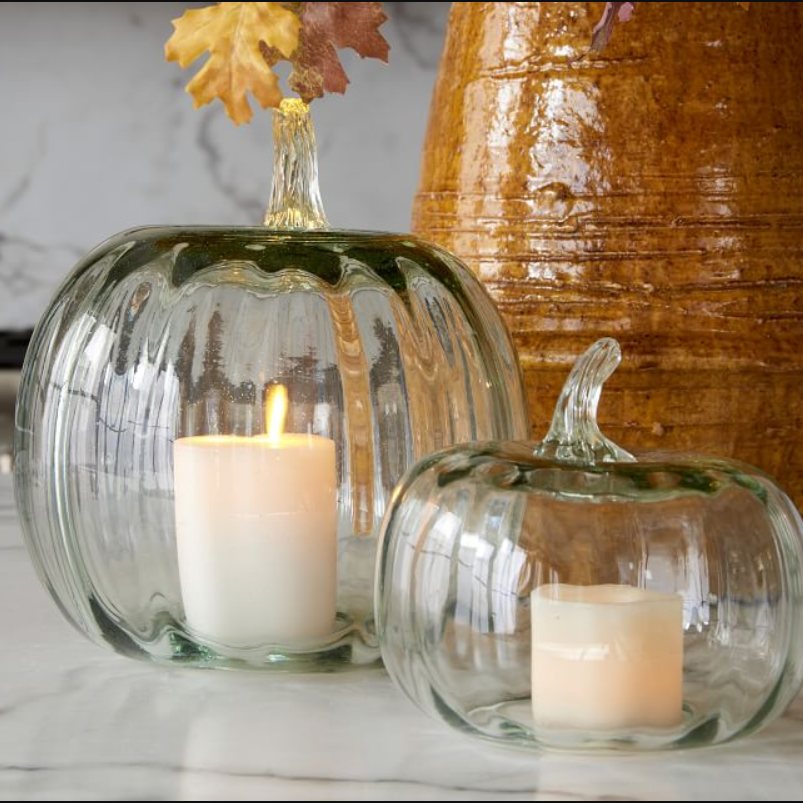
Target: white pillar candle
x,y
606,657
257,536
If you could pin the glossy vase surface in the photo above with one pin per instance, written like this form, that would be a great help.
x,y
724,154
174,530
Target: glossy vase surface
x,y
652,192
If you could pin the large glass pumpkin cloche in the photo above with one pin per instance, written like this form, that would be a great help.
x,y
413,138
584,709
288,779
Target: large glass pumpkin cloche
x,y
211,421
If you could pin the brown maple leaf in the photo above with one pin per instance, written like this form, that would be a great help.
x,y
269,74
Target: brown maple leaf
x,y
233,33
324,28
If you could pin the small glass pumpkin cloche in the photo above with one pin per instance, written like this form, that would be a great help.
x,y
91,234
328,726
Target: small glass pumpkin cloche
x,y
212,419
570,596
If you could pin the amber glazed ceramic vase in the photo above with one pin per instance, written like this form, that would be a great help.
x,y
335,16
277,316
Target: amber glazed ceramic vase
x,y
653,192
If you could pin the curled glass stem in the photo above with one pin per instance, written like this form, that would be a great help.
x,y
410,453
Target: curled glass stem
x,y
574,435
295,199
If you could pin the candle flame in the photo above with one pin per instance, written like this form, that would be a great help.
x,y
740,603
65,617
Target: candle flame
x,y
275,412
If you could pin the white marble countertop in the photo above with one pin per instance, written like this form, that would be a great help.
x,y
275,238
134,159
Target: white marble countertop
x,y
80,723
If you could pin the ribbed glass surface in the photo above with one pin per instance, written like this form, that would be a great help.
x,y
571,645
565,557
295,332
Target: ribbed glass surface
x,y
386,345
567,594
474,532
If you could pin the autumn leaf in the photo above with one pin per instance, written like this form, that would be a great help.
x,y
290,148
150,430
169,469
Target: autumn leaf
x,y
324,28
233,34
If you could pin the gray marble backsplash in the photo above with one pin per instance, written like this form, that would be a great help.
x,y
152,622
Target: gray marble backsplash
x,y
98,136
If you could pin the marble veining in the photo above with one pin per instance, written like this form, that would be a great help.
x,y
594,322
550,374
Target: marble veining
x,y
112,142
77,722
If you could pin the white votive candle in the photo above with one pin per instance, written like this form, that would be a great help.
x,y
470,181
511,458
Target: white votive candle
x,y
606,657
257,536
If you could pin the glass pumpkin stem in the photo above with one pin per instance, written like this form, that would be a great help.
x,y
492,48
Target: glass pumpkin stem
x,y
574,435
295,199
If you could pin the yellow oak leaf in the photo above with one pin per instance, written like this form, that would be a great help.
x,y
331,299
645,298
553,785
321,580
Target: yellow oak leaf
x,y
232,33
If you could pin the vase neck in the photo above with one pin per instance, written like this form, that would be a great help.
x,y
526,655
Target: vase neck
x,y
295,199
